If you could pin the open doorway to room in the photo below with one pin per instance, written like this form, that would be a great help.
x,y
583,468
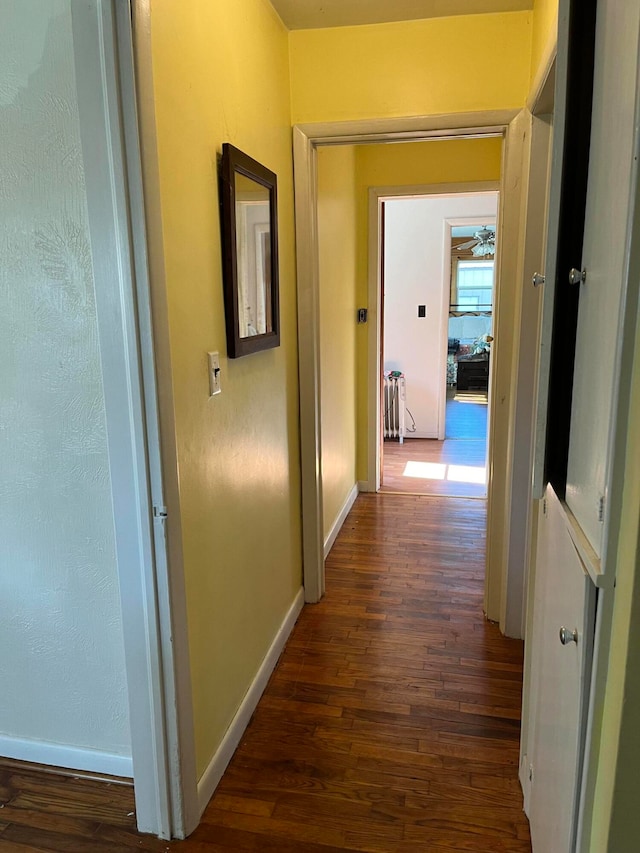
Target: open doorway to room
x,y
93,620
437,273
340,362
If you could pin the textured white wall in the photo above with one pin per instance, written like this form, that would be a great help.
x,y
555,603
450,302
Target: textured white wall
x,y
62,664
415,275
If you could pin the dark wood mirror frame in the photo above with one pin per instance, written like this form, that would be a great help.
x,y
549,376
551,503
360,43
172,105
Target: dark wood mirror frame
x,y
249,332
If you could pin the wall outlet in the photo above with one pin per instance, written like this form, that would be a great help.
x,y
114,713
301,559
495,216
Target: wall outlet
x,y
215,386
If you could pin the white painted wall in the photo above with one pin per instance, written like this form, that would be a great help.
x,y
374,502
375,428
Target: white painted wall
x,y
417,273
62,663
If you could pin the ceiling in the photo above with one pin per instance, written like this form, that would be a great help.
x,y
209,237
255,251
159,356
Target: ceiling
x,y
314,14
469,230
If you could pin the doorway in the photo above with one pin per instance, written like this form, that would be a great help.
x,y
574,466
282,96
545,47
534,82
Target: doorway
x,y
436,304
88,627
507,127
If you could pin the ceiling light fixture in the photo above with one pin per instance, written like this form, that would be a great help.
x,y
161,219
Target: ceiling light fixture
x,y
483,243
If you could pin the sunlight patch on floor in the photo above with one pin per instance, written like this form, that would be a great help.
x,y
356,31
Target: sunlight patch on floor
x,y
440,471
468,397
425,470
467,474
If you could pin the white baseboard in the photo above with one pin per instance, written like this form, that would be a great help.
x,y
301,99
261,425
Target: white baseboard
x,y
365,486
337,524
218,764
69,757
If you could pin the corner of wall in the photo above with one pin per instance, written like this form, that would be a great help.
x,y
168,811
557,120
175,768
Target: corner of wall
x,y
544,40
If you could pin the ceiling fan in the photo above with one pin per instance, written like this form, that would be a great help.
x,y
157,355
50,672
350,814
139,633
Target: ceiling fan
x,y
483,243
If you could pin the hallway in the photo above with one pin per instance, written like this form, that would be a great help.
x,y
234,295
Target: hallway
x,y
391,723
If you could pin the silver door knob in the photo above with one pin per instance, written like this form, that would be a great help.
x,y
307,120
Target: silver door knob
x,y
567,636
577,276
537,279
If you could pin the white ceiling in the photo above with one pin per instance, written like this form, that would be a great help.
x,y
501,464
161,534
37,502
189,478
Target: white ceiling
x,y
468,230
314,14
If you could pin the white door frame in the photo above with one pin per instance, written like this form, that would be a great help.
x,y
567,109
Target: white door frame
x,y
152,597
306,140
377,195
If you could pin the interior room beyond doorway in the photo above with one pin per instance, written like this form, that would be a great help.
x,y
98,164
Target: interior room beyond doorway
x,y
438,252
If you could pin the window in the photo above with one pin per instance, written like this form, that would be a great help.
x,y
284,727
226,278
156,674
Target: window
x,y
474,286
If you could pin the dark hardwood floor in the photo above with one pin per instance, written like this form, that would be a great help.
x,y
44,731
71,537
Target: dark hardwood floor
x,y
391,723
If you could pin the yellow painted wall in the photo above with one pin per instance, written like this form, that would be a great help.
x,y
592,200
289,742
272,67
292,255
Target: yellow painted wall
x,y
229,72
337,255
406,164
221,73
439,65
544,31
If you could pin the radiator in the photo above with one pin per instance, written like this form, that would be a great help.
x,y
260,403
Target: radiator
x,y
394,402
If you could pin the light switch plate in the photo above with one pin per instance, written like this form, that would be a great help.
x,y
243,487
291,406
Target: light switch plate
x,y
215,386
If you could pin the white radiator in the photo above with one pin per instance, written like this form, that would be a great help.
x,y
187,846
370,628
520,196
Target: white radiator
x,y
394,403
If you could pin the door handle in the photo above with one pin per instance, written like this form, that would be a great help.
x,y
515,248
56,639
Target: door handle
x,y
567,637
537,279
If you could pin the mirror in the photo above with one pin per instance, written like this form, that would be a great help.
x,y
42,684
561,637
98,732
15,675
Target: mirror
x,y
250,253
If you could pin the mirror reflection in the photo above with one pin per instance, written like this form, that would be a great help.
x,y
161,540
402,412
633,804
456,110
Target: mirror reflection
x,y
249,211
254,263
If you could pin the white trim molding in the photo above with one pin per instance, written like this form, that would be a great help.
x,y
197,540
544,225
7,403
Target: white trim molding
x,y
306,186
69,757
407,129
503,377
142,164
108,124
218,764
306,140
340,520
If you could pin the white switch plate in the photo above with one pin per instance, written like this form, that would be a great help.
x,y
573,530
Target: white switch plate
x,y
215,386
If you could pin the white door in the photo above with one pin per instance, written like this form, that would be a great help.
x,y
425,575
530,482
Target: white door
x,y
563,594
559,682
564,599
78,621
514,603
598,343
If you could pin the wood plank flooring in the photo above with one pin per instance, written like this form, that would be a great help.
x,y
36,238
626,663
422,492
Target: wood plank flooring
x,y
390,725
424,466
453,467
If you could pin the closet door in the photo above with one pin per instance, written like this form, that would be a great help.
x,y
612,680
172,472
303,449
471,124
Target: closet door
x,y
564,602
598,345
